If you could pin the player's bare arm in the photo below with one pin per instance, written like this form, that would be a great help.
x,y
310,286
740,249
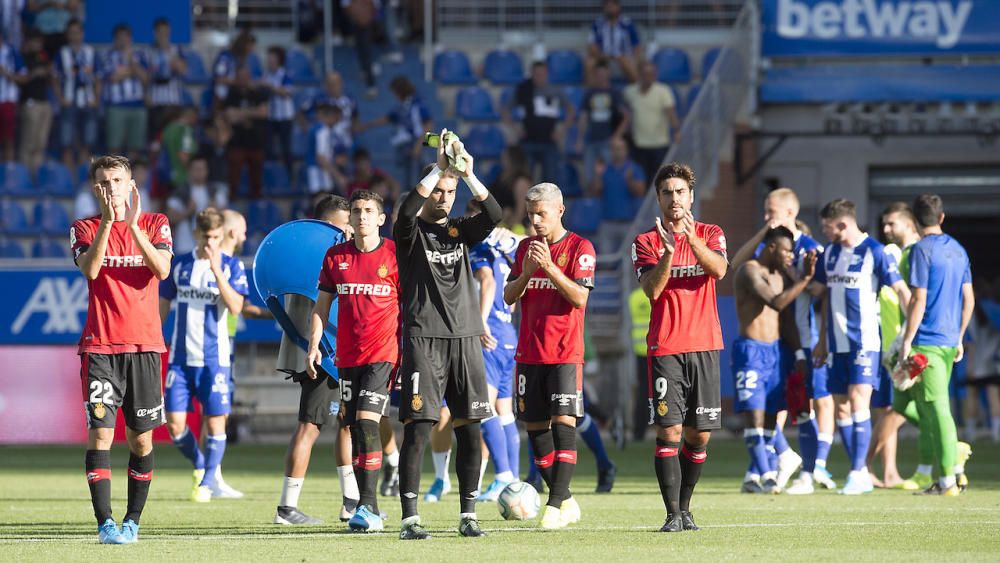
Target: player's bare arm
x,y
232,299
820,351
571,291
253,312
157,260
714,263
759,284
914,316
746,251
164,310
903,292
487,291
654,281
320,316
968,306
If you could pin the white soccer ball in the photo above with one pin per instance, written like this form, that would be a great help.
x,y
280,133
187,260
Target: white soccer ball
x,y
519,501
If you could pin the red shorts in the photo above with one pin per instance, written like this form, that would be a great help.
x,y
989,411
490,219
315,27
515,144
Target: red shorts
x,y
8,121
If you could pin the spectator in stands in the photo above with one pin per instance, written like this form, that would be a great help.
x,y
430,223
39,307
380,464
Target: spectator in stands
x,y
178,142
511,187
333,94
411,119
167,69
190,199
603,116
621,185
246,111
52,18
11,71
654,119
212,144
78,92
11,15
322,172
543,127
368,177
226,64
36,111
281,108
362,14
614,39
125,75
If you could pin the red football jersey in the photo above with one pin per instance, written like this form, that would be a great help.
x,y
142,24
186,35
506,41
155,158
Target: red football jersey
x,y
551,328
367,284
123,310
685,318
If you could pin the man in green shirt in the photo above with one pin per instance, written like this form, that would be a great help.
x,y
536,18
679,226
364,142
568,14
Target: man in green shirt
x,y
179,143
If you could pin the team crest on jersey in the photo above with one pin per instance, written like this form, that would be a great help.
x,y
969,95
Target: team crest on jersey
x,y
99,411
520,405
453,231
416,403
661,408
383,271
562,260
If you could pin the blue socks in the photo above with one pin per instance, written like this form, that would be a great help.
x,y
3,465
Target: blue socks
x,y
754,440
513,436
807,444
592,437
496,443
188,446
862,439
824,442
845,426
215,448
780,442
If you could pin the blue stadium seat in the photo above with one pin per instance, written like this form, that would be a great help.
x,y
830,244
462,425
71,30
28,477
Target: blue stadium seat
x,y
205,103
187,99
300,68
565,67
56,180
484,141
453,68
679,106
196,72
691,96
10,249
51,217
708,60
491,174
575,96
503,67
572,134
672,65
583,216
48,248
263,216
16,180
13,219
83,173
474,103
517,113
569,180
252,243
276,180
303,97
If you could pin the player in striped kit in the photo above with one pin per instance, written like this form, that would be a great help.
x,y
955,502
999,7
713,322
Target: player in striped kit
x,y
207,286
166,73
850,274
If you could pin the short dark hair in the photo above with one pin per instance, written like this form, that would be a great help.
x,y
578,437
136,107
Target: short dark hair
x,y
74,21
120,27
839,208
402,87
361,154
367,195
107,162
675,170
209,219
928,208
900,207
539,63
774,233
328,203
279,52
160,22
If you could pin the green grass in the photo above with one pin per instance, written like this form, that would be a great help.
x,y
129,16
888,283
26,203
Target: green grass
x,y
45,514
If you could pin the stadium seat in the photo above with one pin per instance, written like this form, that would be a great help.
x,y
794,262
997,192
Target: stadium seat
x,y
82,173
708,60
491,174
484,141
205,103
10,249
584,215
51,217
16,180
13,219
276,180
475,104
672,65
300,68
187,100
692,95
569,180
48,248
517,112
575,96
503,67
453,68
565,67
196,72
56,180
679,104
572,134
263,216
252,243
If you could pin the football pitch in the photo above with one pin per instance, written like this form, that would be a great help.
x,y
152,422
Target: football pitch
x,y
45,514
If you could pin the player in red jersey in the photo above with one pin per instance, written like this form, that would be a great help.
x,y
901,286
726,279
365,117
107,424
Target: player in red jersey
x,y
677,263
363,274
552,276
123,253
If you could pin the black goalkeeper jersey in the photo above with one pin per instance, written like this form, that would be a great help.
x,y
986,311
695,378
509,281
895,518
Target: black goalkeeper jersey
x,y
438,292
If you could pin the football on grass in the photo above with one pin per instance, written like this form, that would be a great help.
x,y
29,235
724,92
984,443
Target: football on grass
x,y
519,501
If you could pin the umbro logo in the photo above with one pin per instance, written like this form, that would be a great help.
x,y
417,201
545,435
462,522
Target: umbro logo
x,y
344,265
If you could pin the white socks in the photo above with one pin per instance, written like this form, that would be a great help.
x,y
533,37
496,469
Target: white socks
x,y
348,484
392,459
441,460
925,469
290,490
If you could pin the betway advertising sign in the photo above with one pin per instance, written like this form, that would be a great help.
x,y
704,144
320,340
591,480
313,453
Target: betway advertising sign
x,y
879,27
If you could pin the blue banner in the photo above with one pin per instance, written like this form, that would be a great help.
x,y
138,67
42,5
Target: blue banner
x,y
49,306
879,27
103,15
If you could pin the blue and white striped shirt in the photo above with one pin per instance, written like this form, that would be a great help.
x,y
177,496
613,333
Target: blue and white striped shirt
x,y
127,92
224,67
10,61
165,85
409,118
614,39
77,73
280,108
853,277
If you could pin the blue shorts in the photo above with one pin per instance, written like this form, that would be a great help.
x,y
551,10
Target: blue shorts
x,y
882,395
853,368
500,367
211,385
755,370
777,398
818,382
